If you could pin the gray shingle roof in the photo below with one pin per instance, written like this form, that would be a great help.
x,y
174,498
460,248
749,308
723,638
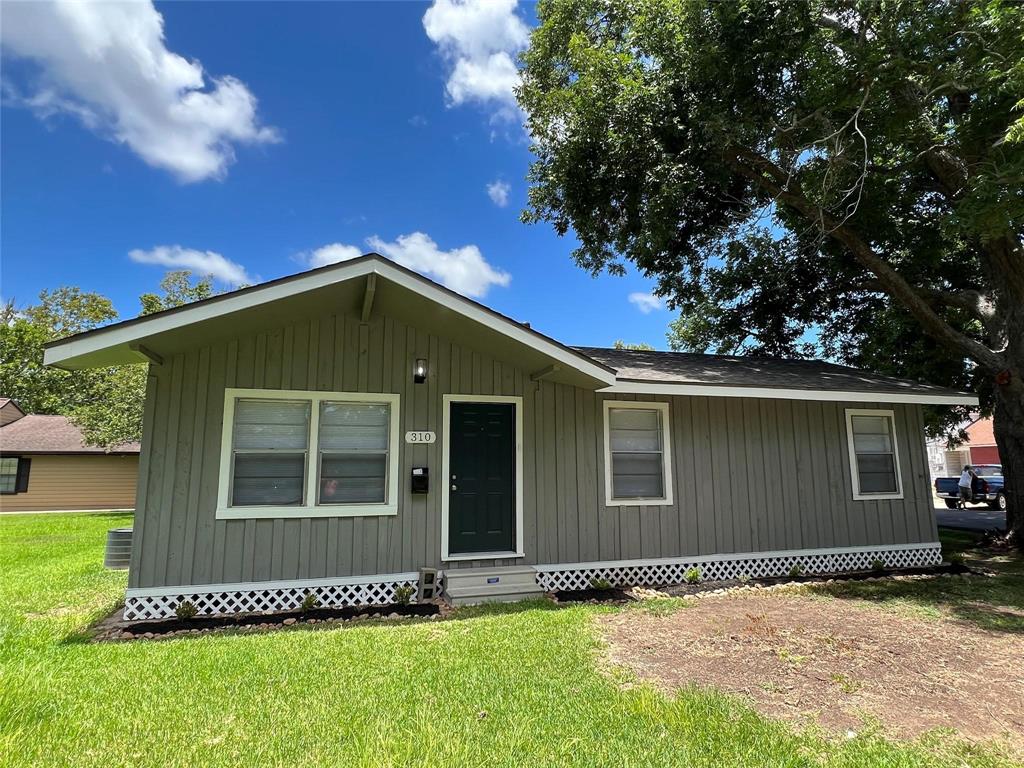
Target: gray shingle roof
x,y
760,372
49,434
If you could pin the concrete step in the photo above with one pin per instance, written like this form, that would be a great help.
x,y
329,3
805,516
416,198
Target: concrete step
x,y
467,586
490,577
496,594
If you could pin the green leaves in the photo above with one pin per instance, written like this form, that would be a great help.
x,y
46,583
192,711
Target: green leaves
x,y
708,143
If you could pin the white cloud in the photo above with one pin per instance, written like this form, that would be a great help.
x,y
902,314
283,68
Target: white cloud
x,y
479,40
106,64
201,262
464,269
498,192
645,302
333,253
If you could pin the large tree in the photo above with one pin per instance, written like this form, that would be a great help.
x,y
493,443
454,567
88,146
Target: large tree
x,y
825,177
106,403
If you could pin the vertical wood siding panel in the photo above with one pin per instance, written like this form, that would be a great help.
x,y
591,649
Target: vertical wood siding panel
x,y
153,502
757,500
822,508
721,475
703,475
170,438
199,455
739,480
145,509
586,463
684,478
792,534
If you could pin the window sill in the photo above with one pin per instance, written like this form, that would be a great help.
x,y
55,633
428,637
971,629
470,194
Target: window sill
x,y
264,513
639,503
877,496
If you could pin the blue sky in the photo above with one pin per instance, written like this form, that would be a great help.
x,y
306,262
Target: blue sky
x,y
256,139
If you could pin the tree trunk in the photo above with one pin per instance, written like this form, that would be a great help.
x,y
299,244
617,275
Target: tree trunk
x,y
1008,425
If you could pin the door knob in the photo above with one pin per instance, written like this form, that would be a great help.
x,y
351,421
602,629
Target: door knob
x,y
455,487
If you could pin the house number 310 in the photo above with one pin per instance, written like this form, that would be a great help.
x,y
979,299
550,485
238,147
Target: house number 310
x,y
420,437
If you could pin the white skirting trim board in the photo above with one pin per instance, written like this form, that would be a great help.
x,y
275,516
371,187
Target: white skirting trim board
x,y
722,567
379,589
266,596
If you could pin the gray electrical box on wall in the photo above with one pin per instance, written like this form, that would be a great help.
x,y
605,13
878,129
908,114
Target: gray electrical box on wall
x,y
420,480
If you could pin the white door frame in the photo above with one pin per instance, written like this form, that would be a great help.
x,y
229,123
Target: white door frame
x,y
446,410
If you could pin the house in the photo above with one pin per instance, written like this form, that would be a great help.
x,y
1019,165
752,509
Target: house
x,y
340,430
46,466
979,448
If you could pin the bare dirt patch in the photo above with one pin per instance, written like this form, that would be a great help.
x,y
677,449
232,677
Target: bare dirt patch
x,y
834,663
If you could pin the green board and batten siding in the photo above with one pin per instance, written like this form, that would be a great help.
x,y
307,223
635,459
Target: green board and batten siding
x,y
748,474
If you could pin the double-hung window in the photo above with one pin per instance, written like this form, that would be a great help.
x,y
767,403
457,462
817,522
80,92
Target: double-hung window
x,y
14,474
308,454
637,453
874,458
8,474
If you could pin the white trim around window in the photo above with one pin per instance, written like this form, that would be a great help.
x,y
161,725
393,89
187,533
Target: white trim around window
x,y
855,479
666,454
446,415
309,506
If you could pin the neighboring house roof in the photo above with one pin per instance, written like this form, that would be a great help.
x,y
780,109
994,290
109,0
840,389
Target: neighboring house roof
x,y
36,433
9,411
431,306
979,433
653,372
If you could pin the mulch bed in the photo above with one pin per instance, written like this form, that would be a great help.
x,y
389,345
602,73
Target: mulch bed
x,y
592,596
833,662
115,628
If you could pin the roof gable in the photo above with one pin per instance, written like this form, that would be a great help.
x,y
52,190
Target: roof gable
x,y
370,280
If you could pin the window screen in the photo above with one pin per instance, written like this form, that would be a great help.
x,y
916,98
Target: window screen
x,y
270,442
9,475
353,452
875,451
637,453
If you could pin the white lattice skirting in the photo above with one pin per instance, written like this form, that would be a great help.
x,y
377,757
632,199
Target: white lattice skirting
x,y
268,596
754,565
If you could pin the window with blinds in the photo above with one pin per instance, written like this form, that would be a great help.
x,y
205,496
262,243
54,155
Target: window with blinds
x,y
291,453
353,448
873,459
636,442
270,448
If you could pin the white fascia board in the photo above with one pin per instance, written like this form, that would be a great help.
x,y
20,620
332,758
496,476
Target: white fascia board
x,y
710,390
116,336
161,323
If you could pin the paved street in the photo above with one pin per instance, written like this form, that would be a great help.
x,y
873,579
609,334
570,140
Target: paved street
x,y
976,518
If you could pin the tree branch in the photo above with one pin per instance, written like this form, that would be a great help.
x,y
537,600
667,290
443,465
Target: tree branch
x,y
774,181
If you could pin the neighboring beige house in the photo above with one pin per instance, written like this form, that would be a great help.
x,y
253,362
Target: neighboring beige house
x,y
46,466
356,429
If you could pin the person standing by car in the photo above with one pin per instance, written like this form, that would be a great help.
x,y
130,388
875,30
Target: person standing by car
x,y
966,485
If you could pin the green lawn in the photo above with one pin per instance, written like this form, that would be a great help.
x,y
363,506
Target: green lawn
x,y
516,687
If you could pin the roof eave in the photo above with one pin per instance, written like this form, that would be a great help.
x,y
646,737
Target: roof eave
x,y
634,386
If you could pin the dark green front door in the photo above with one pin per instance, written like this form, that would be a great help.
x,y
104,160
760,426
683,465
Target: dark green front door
x,y
482,478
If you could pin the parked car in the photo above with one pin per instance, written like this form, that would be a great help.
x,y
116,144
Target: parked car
x,y
987,488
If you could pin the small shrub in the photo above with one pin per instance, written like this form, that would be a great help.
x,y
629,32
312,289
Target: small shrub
x,y
404,593
957,558
600,584
309,602
796,571
877,565
692,575
186,610
744,578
